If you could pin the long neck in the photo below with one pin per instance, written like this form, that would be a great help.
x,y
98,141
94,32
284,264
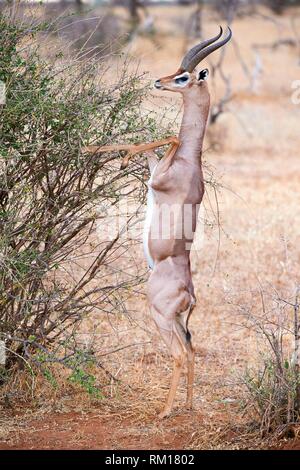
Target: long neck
x,y
193,125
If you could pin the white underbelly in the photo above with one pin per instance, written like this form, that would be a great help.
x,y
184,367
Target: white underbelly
x,y
147,223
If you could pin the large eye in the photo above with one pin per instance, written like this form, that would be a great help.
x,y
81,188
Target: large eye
x,y
181,80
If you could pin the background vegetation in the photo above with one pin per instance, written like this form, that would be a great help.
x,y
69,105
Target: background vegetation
x,y
53,196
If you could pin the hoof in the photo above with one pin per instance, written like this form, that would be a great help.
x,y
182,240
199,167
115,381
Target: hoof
x,y
164,414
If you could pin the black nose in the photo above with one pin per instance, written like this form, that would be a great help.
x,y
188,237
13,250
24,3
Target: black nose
x,y
157,84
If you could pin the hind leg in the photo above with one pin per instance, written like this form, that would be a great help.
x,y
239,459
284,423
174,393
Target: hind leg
x,y
190,375
190,355
178,365
180,346
171,336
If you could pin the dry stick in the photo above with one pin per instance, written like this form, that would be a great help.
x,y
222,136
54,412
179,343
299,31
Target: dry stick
x,y
297,344
242,62
27,364
296,33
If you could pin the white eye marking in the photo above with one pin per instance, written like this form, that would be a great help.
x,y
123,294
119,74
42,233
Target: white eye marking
x,y
181,80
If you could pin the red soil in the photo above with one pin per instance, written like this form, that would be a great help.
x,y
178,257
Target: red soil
x,y
73,430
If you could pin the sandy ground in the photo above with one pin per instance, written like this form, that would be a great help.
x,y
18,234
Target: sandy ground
x,y
256,164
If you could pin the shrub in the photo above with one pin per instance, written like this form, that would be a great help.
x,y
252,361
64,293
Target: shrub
x,y
54,270
273,389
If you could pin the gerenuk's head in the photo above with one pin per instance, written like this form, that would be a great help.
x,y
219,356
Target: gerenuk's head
x,y
186,76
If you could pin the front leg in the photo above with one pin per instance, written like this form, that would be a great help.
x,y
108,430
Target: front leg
x,y
167,159
141,148
133,149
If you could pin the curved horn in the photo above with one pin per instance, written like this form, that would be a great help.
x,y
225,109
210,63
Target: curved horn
x,y
204,53
192,52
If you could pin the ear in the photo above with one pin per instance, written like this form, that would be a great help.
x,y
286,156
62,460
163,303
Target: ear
x,y
203,75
